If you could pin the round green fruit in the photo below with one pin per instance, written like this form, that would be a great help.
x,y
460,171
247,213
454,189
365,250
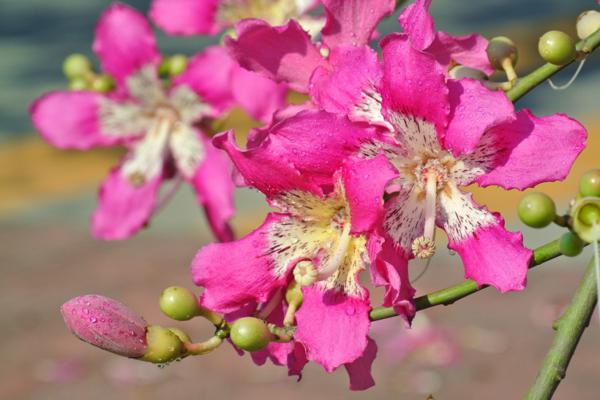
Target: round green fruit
x,y
570,244
178,303
589,184
250,334
536,210
76,66
557,48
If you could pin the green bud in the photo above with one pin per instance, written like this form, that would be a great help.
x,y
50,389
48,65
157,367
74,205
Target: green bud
x,y
589,184
103,83
557,48
460,71
78,84
179,303
250,334
163,345
588,22
499,49
181,335
177,64
570,244
536,210
76,66
585,214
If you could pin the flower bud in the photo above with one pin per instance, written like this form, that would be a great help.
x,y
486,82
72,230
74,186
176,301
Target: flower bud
x,y
536,210
177,64
460,71
557,48
499,49
179,303
106,323
103,83
78,84
589,184
250,334
588,22
164,345
570,245
76,66
585,214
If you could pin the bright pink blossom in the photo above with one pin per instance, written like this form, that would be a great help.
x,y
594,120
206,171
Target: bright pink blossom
x,y
209,17
323,235
158,125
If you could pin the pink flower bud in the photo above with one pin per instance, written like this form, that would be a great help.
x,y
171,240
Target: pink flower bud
x,y
107,324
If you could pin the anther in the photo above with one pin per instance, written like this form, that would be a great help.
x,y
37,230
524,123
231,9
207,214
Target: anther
x,y
338,256
305,273
423,247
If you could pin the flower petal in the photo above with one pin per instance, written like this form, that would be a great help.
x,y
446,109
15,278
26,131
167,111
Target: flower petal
x,y
404,219
478,236
509,151
209,75
479,253
468,50
389,269
473,110
235,273
284,53
124,41
262,167
364,184
332,327
123,209
214,187
186,17
413,84
350,85
353,21
359,371
70,120
418,24
258,96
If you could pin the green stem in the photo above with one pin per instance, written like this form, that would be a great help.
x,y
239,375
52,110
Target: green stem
x,y
453,293
569,329
525,84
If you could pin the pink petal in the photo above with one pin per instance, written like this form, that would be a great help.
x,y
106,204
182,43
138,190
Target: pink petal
x,y
353,21
473,110
359,371
284,53
214,187
389,268
418,24
468,50
70,120
531,150
209,74
364,184
480,255
124,41
296,361
235,273
413,84
350,85
186,17
263,167
123,209
258,96
332,326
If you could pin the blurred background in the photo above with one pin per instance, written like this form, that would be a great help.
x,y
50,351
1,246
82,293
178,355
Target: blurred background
x,y
486,346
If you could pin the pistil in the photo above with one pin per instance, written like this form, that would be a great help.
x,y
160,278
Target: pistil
x,y
424,246
338,256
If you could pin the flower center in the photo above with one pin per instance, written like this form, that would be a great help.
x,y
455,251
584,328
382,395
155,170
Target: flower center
x,y
276,12
431,176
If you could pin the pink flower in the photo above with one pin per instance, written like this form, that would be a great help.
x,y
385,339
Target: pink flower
x,y
287,53
209,17
323,235
107,324
158,125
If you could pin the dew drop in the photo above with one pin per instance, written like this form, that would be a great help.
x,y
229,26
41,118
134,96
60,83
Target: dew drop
x,y
350,310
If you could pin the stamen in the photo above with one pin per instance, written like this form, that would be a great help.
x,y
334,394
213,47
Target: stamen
x,y
338,256
424,246
305,273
